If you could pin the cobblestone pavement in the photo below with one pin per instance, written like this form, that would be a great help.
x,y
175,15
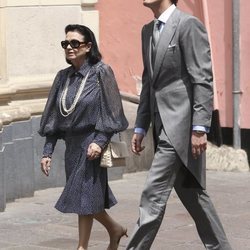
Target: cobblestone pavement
x,y
33,223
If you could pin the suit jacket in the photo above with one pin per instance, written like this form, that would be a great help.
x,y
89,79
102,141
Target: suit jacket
x,y
179,83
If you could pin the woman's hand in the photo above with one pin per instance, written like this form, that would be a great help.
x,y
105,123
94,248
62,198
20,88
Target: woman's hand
x,y
94,151
45,165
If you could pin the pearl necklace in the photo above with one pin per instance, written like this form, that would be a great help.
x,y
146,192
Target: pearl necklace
x,y
62,104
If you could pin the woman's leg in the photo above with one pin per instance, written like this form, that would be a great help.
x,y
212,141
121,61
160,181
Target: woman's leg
x,y
85,223
115,230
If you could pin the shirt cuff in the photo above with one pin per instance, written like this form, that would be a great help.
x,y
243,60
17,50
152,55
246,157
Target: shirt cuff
x,y
140,131
49,145
201,128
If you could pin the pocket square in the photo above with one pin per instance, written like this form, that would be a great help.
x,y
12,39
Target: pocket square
x,y
171,48
171,45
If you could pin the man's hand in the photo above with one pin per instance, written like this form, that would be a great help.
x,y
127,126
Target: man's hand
x,y
136,143
45,165
199,143
94,151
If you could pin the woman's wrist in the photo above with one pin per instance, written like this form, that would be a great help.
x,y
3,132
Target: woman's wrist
x,y
46,156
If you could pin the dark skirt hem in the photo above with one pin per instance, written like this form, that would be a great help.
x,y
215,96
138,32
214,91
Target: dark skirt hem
x,y
76,211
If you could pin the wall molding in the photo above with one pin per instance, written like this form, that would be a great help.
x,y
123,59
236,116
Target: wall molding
x,y
88,2
32,3
21,100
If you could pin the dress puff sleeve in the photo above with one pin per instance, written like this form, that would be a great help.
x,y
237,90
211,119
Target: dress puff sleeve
x,y
48,124
111,118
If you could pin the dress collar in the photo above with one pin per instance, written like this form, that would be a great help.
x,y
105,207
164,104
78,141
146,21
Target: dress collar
x,y
81,72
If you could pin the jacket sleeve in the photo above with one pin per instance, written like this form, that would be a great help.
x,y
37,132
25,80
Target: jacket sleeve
x,y
196,52
143,117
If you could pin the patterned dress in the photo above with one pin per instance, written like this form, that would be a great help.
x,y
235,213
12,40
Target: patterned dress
x,y
93,120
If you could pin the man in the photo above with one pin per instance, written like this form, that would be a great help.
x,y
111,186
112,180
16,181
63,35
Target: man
x,y
177,97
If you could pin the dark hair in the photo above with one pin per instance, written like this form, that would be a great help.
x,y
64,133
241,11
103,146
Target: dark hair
x,y
94,55
174,2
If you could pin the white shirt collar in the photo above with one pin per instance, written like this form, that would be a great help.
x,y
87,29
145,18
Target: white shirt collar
x,y
167,13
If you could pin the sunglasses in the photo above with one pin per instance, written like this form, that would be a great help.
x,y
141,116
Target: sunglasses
x,y
74,44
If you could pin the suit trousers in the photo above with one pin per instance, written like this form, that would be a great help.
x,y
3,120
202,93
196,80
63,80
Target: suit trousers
x,y
167,171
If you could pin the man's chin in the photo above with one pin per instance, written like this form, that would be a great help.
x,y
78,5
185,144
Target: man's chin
x,y
146,4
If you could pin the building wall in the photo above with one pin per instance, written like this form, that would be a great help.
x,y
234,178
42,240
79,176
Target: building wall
x,y
220,27
120,39
220,15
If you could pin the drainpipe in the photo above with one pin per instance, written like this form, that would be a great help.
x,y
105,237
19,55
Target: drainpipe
x,y
236,74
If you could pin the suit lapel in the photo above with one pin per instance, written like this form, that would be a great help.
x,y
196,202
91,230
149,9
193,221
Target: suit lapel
x,y
150,57
165,38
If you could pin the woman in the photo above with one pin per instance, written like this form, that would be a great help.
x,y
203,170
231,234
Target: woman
x,y
84,109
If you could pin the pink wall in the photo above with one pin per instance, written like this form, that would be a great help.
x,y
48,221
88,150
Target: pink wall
x,y
193,7
221,43
120,43
120,38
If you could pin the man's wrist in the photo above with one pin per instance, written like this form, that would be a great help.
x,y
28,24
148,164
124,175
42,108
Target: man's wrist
x,y
140,131
201,129
199,132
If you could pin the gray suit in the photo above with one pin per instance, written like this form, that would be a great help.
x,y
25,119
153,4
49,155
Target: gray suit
x,y
177,94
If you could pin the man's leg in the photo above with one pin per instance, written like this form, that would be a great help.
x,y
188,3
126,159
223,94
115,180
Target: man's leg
x,y
158,186
200,207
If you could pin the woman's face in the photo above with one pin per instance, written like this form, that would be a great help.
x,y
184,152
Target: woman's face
x,y
76,52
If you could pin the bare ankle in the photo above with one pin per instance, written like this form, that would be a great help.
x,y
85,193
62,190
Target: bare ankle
x,y
82,248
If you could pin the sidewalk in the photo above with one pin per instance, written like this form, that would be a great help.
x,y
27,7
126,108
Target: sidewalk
x,y
33,223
